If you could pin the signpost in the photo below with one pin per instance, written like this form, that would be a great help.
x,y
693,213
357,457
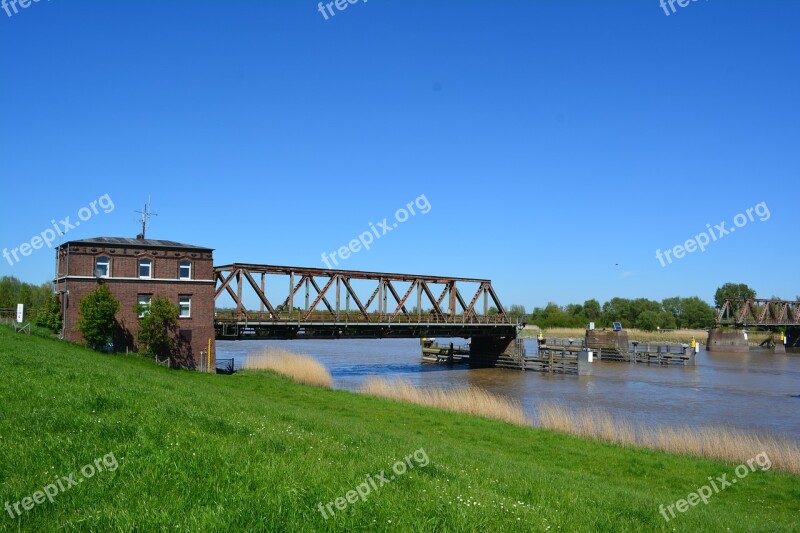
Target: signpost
x,y
20,325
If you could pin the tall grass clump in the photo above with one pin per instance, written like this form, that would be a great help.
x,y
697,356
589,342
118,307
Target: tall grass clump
x,y
471,400
729,445
591,423
300,368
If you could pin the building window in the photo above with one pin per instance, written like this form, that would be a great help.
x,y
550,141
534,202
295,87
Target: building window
x,y
144,304
185,307
145,268
102,267
185,270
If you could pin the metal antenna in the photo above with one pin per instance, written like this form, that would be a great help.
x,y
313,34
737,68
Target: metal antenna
x,y
145,218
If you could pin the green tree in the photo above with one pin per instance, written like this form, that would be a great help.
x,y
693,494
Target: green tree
x,y
666,320
9,289
696,313
517,310
98,321
618,310
574,310
647,320
640,305
673,306
50,315
158,328
732,290
592,309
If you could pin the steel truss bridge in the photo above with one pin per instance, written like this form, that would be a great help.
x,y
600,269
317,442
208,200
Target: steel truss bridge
x,y
758,312
297,302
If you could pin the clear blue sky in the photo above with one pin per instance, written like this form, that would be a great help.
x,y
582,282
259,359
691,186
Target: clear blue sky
x,y
559,143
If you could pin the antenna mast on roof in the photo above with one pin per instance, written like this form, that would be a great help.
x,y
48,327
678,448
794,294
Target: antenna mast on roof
x,y
145,218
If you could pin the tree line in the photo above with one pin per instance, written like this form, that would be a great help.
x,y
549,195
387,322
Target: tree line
x,y
671,313
14,291
41,305
641,313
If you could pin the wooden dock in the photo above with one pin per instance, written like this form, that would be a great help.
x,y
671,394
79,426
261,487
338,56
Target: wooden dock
x,y
435,353
556,359
659,354
560,359
559,356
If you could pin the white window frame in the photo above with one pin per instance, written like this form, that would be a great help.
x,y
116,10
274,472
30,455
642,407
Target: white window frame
x,y
147,304
188,306
181,267
150,270
107,265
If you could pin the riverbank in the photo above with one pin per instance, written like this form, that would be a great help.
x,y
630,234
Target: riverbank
x,y
257,452
683,336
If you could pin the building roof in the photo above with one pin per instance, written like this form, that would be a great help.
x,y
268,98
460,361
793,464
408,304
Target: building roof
x,y
137,243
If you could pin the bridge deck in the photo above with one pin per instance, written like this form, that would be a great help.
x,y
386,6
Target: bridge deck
x,y
265,328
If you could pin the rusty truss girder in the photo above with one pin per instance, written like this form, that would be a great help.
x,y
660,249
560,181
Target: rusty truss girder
x,y
329,295
758,312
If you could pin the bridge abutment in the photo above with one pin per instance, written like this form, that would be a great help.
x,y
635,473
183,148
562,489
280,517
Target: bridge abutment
x,y
599,339
727,340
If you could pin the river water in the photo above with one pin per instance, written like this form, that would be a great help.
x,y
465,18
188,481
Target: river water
x,y
750,391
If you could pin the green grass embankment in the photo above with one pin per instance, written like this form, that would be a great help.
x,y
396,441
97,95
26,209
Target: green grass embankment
x,y
254,451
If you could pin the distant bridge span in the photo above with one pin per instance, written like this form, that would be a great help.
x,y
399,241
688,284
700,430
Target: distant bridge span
x,y
299,302
758,312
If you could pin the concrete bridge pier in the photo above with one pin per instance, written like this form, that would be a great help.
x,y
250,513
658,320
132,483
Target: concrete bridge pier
x,y
489,352
727,340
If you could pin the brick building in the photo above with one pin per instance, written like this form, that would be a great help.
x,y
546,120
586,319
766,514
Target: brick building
x,y
136,271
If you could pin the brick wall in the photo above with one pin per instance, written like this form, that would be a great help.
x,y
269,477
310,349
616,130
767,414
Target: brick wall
x,y
126,287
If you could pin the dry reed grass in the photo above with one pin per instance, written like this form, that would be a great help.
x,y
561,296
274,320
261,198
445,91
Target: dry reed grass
x,y
729,445
471,400
300,368
678,336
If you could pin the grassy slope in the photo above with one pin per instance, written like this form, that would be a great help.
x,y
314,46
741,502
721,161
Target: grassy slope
x,y
254,451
